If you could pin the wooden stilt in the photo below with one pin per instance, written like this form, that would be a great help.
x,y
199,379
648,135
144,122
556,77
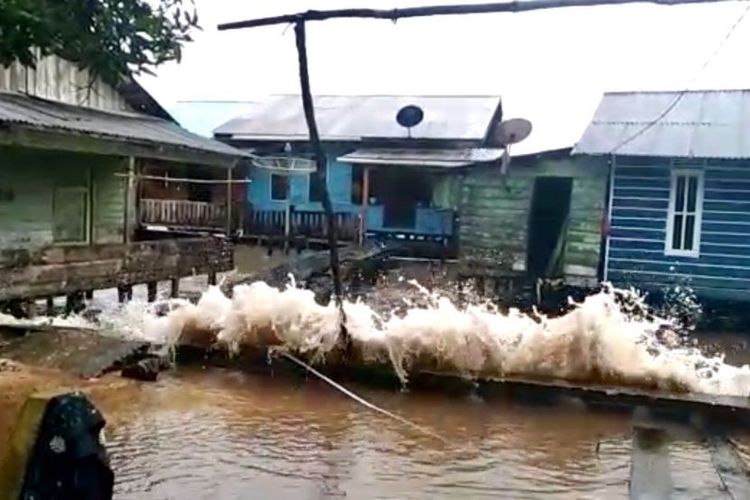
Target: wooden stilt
x,y
50,306
175,288
89,294
151,291
74,302
212,278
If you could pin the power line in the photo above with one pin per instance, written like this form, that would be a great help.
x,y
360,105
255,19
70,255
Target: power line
x,y
681,95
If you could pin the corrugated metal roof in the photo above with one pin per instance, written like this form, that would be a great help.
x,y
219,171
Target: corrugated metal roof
x,y
445,158
355,117
44,114
702,124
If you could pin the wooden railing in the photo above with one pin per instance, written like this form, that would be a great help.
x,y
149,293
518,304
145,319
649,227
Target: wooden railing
x,y
183,214
310,225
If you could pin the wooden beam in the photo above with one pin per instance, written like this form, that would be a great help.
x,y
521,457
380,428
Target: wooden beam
x,y
229,202
441,10
130,202
320,162
365,203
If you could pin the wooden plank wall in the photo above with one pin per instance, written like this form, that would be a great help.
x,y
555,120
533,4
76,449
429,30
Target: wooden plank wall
x,y
59,270
56,79
29,178
494,218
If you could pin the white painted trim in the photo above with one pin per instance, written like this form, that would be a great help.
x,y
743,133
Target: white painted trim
x,y
653,219
681,275
629,228
731,245
722,233
270,187
740,223
676,263
646,209
660,252
640,240
671,212
641,178
639,188
640,198
724,212
740,191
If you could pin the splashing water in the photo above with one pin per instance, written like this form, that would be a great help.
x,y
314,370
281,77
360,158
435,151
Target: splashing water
x,y
599,341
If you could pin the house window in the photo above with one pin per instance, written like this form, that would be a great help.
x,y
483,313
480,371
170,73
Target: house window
x,y
279,187
685,207
70,219
315,191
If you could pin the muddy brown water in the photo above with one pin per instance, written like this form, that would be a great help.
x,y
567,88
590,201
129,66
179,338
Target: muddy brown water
x,y
219,434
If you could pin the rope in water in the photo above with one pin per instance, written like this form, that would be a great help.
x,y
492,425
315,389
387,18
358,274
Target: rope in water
x,y
360,400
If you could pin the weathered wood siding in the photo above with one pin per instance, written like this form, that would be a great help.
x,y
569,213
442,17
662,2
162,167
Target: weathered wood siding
x,y
28,179
49,271
494,217
638,228
56,79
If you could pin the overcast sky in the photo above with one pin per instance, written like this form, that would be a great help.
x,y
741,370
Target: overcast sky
x,y
549,66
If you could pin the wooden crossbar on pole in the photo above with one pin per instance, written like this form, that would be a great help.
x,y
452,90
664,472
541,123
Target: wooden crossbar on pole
x,y
442,10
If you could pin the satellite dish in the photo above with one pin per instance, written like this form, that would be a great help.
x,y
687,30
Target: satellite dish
x,y
511,131
410,116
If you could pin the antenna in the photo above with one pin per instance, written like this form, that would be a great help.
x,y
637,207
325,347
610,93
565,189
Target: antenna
x,y
410,116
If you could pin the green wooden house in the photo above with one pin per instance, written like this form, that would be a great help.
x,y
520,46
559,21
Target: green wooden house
x,y
73,165
541,220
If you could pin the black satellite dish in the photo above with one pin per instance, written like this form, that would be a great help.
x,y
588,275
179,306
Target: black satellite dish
x,y
410,116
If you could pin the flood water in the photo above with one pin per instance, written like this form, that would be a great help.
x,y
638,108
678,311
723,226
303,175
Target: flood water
x,y
210,433
218,434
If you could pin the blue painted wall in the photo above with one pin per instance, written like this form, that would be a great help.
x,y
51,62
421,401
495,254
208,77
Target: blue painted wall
x,y
429,221
638,228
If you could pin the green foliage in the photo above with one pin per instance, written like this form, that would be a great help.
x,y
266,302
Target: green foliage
x,y
111,38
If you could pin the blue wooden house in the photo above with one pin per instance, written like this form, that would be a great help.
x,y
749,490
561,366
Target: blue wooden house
x,y
679,191
385,181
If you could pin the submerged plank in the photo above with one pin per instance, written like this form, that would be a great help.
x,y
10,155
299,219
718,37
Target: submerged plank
x,y
650,475
731,469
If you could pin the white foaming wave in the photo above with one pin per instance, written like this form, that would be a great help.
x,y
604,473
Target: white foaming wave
x,y
598,341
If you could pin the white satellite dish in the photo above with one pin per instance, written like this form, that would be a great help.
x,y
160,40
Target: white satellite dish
x,y
511,131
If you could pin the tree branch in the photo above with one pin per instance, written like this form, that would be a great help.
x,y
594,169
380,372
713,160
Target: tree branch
x,y
441,10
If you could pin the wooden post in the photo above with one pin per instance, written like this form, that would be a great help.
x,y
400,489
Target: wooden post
x,y
287,226
50,306
151,291
212,278
89,294
175,288
124,293
365,205
130,201
229,202
320,164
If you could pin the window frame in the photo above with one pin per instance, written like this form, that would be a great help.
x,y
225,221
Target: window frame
x,y
270,187
672,212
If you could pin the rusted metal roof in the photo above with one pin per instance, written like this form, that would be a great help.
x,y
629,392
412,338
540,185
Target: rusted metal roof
x,y
127,127
351,118
444,158
699,124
